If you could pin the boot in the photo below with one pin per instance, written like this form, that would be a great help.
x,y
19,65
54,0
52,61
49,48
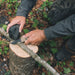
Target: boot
x,y
63,54
67,51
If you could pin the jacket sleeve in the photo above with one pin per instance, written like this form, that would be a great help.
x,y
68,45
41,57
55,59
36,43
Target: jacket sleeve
x,y
25,7
62,28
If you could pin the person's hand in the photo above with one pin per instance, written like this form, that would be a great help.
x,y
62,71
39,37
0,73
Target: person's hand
x,y
17,20
35,37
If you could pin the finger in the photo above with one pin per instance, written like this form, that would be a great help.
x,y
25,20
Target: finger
x,y
35,43
27,35
28,41
21,27
9,25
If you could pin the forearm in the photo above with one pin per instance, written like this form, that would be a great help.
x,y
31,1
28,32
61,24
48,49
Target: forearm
x,y
25,7
62,28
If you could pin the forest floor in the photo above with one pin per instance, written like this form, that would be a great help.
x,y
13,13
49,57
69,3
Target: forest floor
x,y
37,19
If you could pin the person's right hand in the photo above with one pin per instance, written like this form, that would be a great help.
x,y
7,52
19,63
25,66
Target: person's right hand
x,y
17,20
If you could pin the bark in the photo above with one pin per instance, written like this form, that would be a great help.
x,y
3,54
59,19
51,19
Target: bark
x,y
19,65
35,56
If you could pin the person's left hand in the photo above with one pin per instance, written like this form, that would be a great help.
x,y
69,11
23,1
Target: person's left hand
x,y
35,37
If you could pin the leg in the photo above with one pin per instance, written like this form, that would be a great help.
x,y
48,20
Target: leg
x,y
67,51
71,44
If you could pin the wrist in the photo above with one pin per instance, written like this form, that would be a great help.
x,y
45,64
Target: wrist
x,y
21,17
43,35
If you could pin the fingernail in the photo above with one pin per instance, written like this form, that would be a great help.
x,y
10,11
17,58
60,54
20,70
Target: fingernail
x,y
7,31
20,31
26,42
23,36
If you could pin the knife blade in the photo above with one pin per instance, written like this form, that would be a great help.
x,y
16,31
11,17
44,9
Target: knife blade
x,y
22,40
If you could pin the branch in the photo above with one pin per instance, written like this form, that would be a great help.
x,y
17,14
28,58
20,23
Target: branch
x,y
35,56
2,31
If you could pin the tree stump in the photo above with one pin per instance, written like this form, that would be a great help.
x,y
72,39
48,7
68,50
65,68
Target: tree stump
x,y
20,62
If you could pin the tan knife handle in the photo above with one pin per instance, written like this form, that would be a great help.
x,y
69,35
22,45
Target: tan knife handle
x,y
23,39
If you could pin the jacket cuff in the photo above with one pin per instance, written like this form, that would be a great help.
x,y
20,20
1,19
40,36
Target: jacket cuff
x,y
48,33
21,12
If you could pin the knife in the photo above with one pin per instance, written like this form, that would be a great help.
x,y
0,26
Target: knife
x,y
22,40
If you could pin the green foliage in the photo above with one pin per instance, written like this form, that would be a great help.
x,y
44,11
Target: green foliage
x,y
12,0
34,25
4,27
52,43
31,13
66,37
48,73
54,50
42,25
8,73
42,45
12,4
63,64
4,51
49,62
1,1
43,5
36,22
71,64
32,18
1,42
39,65
27,21
3,47
49,3
25,30
58,63
9,13
43,73
45,15
1,50
67,70
42,56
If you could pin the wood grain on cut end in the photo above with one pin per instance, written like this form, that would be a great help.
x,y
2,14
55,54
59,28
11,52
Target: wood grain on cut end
x,y
20,52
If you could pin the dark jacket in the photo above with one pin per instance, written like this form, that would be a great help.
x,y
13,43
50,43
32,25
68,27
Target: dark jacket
x,y
25,7
62,11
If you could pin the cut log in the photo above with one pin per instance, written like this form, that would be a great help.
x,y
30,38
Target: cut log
x,y
21,63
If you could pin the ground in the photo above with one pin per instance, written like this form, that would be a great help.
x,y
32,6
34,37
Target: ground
x,y
37,18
